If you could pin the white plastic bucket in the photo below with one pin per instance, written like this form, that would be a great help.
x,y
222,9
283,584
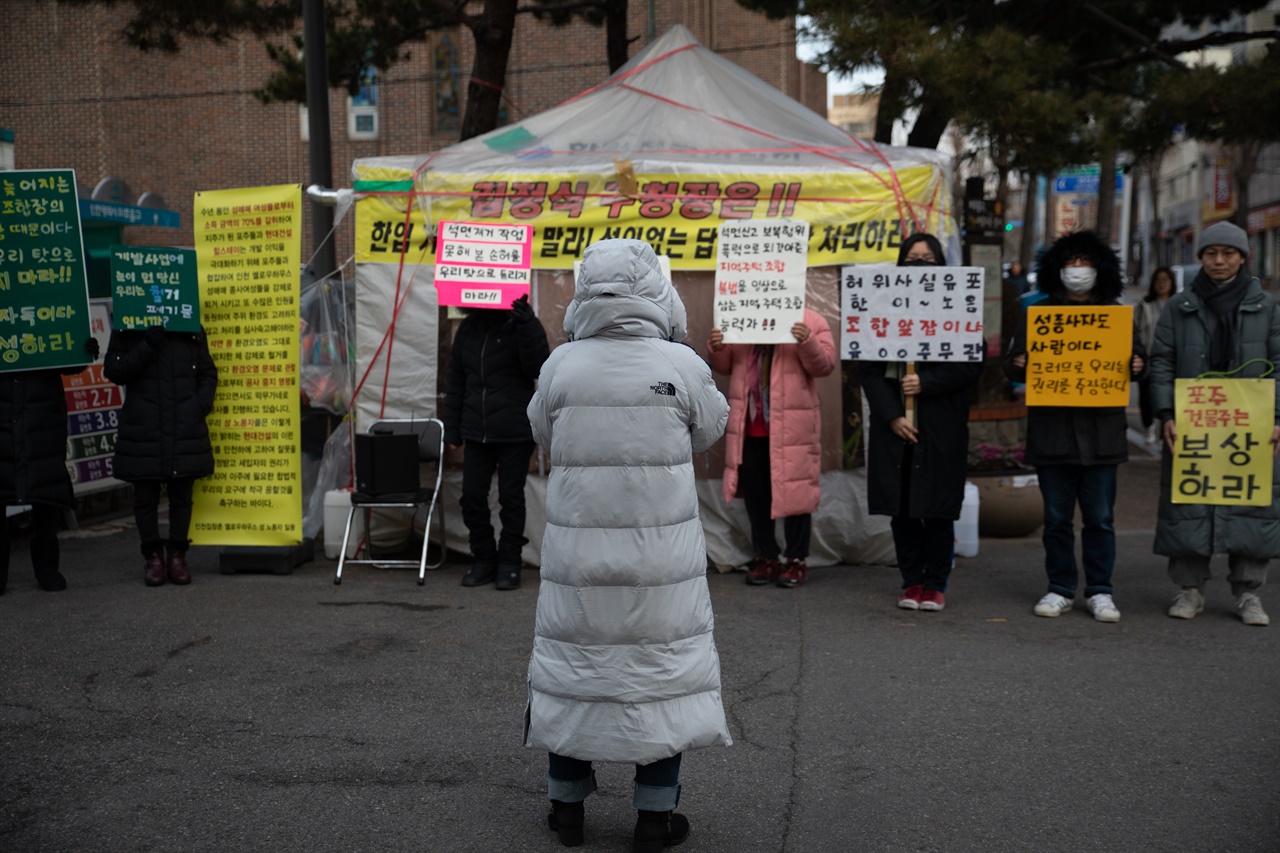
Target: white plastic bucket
x,y
336,504
967,526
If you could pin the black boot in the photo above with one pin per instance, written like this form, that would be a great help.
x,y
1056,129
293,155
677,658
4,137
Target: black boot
x,y
655,830
567,819
51,580
481,573
508,576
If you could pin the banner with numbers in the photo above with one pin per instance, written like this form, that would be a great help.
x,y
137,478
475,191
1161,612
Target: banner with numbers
x,y
893,313
1223,452
1079,355
249,257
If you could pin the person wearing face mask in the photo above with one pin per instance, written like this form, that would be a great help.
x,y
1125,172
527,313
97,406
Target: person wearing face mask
x,y
1076,450
916,471
1219,323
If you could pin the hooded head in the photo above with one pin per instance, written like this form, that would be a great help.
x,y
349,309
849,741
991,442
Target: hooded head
x,y
621,292
1082,244
935,248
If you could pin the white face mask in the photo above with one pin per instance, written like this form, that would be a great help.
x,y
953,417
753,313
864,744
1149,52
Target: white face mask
x,y
1079,279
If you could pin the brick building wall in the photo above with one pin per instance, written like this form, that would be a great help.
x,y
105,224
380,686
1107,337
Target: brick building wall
x,y
76,96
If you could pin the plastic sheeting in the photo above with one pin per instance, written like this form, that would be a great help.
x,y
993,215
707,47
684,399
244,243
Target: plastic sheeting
x,y
843,532
406,386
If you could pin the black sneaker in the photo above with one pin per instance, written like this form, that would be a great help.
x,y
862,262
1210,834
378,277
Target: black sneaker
x,y
480,573
508,576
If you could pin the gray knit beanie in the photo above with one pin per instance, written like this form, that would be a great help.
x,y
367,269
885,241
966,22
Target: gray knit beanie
x,y
1223,234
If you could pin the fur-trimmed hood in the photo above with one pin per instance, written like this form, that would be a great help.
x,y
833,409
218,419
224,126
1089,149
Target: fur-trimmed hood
x,y
1108,287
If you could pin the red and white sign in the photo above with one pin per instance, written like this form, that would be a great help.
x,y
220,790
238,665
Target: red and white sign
x,y
483,265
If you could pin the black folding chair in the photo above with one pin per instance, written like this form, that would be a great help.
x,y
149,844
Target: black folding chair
x,y
430,434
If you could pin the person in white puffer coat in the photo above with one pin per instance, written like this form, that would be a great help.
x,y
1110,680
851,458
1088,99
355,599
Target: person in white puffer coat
x,y
624,666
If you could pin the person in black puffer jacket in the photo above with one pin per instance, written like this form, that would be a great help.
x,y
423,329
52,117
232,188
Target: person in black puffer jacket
x,y
169,381
1077,449
33,466
494,363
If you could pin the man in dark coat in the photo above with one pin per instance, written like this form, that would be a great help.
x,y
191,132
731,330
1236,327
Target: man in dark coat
x,y
170,381
1077,449
1223,322
33,467
493,365
915,472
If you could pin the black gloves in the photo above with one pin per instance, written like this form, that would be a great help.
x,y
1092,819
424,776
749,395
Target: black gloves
x,y
522,310
92,347
153,335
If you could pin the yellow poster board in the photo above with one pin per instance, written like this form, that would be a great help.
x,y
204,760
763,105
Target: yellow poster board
x,y
854,217
1079,355
1223,452
248,257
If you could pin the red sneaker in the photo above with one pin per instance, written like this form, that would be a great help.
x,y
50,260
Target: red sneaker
x,y
932,599
793,573
763,570
910,598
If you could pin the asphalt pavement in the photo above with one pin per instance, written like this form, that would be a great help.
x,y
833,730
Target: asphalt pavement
x,y
265,712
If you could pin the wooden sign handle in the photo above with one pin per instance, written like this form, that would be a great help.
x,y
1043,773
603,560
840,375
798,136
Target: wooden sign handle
x,y
910,399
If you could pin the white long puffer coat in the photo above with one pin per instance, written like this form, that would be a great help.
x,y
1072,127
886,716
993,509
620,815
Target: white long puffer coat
x,y
624,666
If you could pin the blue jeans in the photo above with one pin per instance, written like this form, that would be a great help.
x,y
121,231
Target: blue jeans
x,y
570,780
1094,488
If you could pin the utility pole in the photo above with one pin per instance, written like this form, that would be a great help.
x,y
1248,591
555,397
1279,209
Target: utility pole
x,y
315,44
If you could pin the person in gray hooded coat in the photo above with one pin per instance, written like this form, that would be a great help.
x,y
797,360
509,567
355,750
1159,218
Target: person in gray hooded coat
x,y
624,666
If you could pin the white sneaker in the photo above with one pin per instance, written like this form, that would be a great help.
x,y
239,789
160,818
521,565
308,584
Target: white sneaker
x,y
1153,435
1187,603
1103,608
1052,605
1251,612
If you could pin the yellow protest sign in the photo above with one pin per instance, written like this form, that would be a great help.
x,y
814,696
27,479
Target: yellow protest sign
x,y
248,258
381,229
1223,452
853,216
1079,355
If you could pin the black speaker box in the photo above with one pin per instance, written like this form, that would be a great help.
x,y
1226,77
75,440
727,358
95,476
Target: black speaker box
x,y
386,463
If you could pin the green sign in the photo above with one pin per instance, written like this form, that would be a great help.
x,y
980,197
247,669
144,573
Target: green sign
x,y
154,287
44,294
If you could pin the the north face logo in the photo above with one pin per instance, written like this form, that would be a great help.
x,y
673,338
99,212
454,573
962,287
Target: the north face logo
x,y
664,388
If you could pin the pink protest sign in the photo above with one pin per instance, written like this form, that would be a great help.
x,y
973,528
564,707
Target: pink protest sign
x,y
483,265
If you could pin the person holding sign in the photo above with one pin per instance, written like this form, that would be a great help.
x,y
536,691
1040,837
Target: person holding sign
x,y
169,380
773,444
495,359
624,665
1227,324
1077,449
917,464
33,467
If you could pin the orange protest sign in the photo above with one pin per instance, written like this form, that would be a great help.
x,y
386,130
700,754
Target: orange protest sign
x,y
1079,355
1223,453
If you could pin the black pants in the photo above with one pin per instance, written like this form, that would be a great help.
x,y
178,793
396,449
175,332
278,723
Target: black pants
x,y
1144,402
44,540
479,460
146,509
757,492
925,546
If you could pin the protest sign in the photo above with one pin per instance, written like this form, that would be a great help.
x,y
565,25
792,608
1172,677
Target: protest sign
x,y
894,313
93,413
1079,355
44,291
761,269
481,265
249,256
154,287
1223,452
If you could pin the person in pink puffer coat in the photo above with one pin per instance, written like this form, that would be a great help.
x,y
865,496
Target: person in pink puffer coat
x,y
773,445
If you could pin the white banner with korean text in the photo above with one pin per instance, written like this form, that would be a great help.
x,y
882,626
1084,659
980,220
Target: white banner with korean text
x,y
761,267
894,313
